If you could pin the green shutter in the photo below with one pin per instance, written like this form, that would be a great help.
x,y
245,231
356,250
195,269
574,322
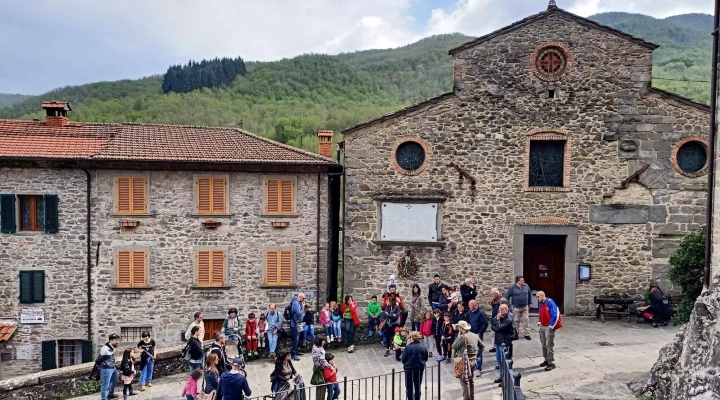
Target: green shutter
x,y
7,213
49,355
32,287
87,351
51,213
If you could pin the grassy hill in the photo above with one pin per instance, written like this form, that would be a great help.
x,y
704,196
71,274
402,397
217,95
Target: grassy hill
x,y
290,99
8,99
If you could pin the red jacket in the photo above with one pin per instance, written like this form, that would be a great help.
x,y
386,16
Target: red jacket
x,y
353,311
398,299
330,375
251,327
426,328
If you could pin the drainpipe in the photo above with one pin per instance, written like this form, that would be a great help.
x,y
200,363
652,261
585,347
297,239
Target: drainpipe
x,y
317,256
341,150
711,164
89,257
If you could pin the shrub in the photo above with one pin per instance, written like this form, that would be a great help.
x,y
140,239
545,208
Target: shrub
x,y
686,270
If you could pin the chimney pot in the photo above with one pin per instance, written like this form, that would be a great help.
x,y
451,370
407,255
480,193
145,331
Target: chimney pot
x,y
56,112
325,143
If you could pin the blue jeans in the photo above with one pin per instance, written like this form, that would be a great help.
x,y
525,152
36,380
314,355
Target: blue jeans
x,y
415,326
349,332
333,391
479,360
338,328
272,340
311,329
295,339
329,331
108,379
372,324
498,357
189,397
146,374
194,366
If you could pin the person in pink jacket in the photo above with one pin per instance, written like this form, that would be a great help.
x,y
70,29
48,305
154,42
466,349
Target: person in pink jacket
x,y
326,321
426,330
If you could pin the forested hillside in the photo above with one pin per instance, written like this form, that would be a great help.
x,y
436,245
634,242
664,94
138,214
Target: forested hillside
x,y
7,99
290,99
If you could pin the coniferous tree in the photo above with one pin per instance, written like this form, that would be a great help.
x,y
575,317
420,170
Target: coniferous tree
x,y
206,73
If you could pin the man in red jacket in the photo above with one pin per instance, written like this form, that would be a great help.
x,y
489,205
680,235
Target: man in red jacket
x,y
399,303
550,321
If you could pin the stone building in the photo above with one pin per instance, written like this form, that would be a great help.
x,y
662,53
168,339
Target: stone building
x,y
130,227
552,158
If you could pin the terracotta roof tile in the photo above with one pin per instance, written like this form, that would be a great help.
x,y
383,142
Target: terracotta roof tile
x,y
56,104
146,142
6,330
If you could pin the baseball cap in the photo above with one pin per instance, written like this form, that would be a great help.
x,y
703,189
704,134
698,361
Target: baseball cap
x,y
114,336
238,361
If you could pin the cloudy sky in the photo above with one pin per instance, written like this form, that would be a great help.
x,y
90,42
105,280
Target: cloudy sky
x,y
47,44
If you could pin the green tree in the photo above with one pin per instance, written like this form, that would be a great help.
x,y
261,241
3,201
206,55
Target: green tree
x,y
686,270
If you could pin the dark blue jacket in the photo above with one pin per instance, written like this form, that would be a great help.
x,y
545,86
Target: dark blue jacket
x,y
478,321
232,386
297,312
211,381
414,356
437,327
467,293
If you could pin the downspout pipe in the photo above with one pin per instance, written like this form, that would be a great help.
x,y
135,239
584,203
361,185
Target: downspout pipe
x,y
712,139
341,151
317,256
89,253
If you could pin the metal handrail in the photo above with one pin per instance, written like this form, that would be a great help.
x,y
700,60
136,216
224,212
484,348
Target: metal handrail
x,y
510,379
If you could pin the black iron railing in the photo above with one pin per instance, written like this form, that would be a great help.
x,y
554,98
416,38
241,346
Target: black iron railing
x,y
390,386
510,379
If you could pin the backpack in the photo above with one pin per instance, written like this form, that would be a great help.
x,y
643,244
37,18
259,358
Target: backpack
x,y
287,314
186,351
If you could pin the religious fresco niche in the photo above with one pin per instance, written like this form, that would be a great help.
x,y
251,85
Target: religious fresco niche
x,y
551,61
690,157
410,156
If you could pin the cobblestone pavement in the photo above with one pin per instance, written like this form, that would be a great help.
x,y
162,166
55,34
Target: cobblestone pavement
x,y
594,361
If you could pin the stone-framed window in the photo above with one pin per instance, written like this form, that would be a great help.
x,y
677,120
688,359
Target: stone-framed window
x,y
70,352
547,160
29,213
690,156
410,155
131,194
211,267
131,268
211,194
133,334
280,195
65,352
279,268
551,61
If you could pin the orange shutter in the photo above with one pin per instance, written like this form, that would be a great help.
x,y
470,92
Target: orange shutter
x,y
218,196
287,194
203,268
217,271
139,268
272,197
123,195
139,196
272,269
286,267
124,269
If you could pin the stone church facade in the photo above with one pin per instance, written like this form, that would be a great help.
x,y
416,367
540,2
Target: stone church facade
x,y
552,158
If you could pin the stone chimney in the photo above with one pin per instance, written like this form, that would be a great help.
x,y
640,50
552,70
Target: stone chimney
x,y
56,113
325,147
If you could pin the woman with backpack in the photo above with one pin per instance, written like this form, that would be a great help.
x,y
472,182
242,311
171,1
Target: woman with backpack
x,y
193,351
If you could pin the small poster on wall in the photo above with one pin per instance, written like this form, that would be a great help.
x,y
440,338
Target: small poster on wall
x,y
584,272
24,352
32,315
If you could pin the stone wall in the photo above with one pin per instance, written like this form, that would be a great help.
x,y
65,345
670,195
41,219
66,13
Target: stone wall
x,y
61,255
602,104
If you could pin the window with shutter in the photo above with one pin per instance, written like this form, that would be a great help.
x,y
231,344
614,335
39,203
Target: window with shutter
x,y
32,213
280,196
87,351
131,195
32,287
52,223
7,213
211,195
131,268
278,267
211,268
49,355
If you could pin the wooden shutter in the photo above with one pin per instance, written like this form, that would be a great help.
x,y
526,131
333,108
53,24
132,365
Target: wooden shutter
x,y
218,196
51,213
203,268
32,287
139,268
218,268
286,195
7,213
123,195
49,355
278,267
131,268
272,196
139,195
26,287
124,268
204,195
87,351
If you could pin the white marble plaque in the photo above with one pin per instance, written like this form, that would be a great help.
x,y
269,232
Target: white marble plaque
x,y
24,352
416,222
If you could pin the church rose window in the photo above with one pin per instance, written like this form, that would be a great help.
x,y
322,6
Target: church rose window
x,y
547,160
410,156
690,157
551,62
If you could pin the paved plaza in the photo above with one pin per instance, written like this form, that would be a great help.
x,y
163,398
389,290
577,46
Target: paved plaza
x,y
594,361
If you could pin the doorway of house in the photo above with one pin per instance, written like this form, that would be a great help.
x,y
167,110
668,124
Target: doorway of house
x,y
544,265
213,326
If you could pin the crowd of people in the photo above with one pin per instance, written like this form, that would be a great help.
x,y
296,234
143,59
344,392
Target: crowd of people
x,y
451,325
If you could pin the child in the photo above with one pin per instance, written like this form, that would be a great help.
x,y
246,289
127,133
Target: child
x,y
399,341
326,321
437,325
128,373
373,310
337,321
190,391
330,375
309,321
392,282
251,327
426,330
447,337
454,297
261,330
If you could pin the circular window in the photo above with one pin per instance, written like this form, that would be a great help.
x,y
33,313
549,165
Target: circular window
x,y
692,157
551,62
410,156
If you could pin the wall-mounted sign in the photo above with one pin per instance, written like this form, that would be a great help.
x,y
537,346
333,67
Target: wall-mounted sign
x,y
308,295
24,352
32,315
584,272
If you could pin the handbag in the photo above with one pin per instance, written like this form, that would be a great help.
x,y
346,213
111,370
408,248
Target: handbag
x,y
317,376
459,361
514,335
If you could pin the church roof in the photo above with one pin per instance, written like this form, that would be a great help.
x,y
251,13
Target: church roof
x,y
554,11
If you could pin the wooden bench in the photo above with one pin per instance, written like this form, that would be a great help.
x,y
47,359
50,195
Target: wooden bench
x,y
619,308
